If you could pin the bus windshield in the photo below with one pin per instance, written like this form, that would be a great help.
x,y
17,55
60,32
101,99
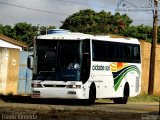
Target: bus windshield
x,y
58,60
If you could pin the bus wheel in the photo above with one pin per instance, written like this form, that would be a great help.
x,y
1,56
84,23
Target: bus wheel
x,y
92,94
124,99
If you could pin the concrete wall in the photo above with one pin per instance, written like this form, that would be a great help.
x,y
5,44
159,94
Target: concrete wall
x,y
145,51
9,63
3,69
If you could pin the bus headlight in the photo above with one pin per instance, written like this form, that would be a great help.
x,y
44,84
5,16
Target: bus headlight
x,y
36,85
73,86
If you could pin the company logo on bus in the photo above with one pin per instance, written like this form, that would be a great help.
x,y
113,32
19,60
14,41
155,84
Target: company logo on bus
x,y
100,67
120,70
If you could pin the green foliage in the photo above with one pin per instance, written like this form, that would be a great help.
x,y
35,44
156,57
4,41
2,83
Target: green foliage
x,y
141,32
89,21
6,30
1,29
44,29
23,31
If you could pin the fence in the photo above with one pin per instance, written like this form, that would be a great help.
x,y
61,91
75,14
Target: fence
x,y
145,51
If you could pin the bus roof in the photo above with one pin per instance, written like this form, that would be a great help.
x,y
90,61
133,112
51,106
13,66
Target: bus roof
x,y
81,36
66,35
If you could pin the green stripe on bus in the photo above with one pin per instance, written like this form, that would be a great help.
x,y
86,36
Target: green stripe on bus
x,y
119,78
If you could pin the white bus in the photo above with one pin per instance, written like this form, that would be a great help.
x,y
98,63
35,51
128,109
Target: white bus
x,y
80,66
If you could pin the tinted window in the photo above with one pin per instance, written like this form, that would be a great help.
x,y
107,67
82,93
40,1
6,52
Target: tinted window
x,y
115,52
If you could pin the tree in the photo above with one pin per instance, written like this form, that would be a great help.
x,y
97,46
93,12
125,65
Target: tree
x,y
80,21
43,29
119,22
1,29
25,32
8,31
89,21
140,32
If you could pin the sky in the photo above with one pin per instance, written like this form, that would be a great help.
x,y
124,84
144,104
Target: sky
x,y
53,12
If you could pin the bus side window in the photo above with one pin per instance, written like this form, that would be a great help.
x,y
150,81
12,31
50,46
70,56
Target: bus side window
x,y
98,51
136,53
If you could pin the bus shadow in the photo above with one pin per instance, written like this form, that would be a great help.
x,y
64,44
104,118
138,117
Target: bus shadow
x,y
29,100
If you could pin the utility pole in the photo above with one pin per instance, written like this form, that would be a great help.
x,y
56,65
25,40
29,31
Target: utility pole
x,y
153,49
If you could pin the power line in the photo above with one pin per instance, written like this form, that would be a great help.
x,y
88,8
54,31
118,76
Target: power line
x,y
28,8
50,12
86,4
142,20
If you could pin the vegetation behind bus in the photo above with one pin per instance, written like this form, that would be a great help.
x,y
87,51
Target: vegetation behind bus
x,y
89,21
86,21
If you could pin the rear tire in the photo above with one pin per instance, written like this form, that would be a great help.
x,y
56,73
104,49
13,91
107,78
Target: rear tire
x,y
124,99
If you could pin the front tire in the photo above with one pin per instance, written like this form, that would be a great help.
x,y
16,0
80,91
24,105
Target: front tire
x,y
92,94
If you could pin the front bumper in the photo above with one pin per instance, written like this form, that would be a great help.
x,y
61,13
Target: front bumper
x,y
59,93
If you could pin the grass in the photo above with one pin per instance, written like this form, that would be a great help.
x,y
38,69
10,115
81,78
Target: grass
x,y
144,98
139,98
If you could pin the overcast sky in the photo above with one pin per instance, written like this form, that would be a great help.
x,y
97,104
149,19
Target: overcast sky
x,y
58,10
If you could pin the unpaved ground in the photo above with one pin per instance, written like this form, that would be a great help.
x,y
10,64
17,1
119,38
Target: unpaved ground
x,y
79,114
22,109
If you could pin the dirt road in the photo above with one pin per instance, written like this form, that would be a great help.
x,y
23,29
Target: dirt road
x,y
73,110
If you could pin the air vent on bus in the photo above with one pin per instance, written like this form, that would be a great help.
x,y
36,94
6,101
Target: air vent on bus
x,y
50,85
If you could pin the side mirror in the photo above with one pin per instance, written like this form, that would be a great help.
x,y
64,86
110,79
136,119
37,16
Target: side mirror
x,y
29,61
